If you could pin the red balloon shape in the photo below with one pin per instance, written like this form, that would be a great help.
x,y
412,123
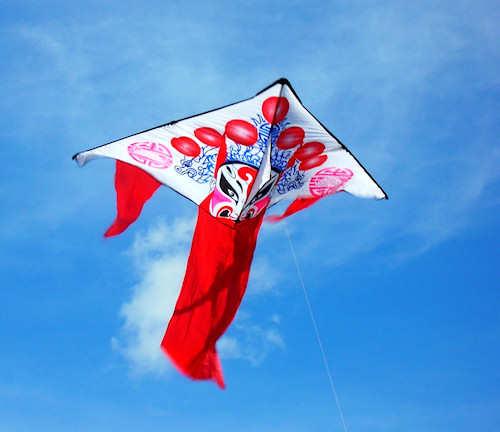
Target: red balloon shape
x,y
209,136
186,146
309,149
242,132
313,162
275,109
290,138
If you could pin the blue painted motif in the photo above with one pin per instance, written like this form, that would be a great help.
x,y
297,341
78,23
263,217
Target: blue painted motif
x,y
201,168
291,179
268,135
280,158
250,155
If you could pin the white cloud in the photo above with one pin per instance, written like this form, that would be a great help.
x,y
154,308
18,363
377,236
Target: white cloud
x,y
451,208
250,341
378,78
387,81
263,277
371,90
159,256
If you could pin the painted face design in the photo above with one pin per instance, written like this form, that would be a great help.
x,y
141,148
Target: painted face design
x,y
233,184
261,199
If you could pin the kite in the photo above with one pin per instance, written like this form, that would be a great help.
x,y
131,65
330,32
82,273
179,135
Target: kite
x,y
234,163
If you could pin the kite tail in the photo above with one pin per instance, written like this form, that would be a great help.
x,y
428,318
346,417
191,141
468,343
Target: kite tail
x,y
215,282
134,187
206,367
296,206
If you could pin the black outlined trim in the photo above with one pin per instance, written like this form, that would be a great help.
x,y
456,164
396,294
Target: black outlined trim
x,y
282,81
181,119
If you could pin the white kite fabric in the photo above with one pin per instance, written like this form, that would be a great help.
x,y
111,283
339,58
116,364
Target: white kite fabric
x,y
285,148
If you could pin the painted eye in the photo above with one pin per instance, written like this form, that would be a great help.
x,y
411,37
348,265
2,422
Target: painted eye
x,y
225,213
227,188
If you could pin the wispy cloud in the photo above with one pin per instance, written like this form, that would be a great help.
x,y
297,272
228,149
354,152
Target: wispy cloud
x,y
159,256
383,93
264,279
372,88
250,341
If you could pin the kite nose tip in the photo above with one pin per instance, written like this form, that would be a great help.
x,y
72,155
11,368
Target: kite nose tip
x,y
283,80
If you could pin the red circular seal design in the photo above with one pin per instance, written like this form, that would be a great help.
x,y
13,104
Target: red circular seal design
x,y
154,155
328,181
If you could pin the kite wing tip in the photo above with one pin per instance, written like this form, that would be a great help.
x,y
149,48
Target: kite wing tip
x,y
81,158
77,159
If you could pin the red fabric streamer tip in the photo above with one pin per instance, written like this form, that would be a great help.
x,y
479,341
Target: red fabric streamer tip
x,y
134,187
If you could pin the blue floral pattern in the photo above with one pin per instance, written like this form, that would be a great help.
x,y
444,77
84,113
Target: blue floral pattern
x,y
200,168
291,179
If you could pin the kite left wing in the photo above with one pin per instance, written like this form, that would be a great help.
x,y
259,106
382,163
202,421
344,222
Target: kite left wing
x,y
182,154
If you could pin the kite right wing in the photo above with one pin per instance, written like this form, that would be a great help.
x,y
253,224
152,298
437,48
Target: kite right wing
x,y
311,162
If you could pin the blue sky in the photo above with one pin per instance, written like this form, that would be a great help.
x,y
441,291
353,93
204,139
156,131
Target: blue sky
x,y
406,292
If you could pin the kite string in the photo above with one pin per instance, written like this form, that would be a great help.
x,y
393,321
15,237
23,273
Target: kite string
x,y
316,329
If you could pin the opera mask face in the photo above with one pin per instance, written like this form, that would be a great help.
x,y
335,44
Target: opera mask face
x,y
233,184
260,201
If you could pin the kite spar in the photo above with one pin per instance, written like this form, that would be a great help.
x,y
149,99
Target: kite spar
x,y
234,163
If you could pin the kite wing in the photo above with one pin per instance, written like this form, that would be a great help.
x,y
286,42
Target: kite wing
x,y
182,154
309,162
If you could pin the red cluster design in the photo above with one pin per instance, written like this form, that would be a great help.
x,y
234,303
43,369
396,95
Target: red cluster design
x,y
275,110
240,131
309,154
